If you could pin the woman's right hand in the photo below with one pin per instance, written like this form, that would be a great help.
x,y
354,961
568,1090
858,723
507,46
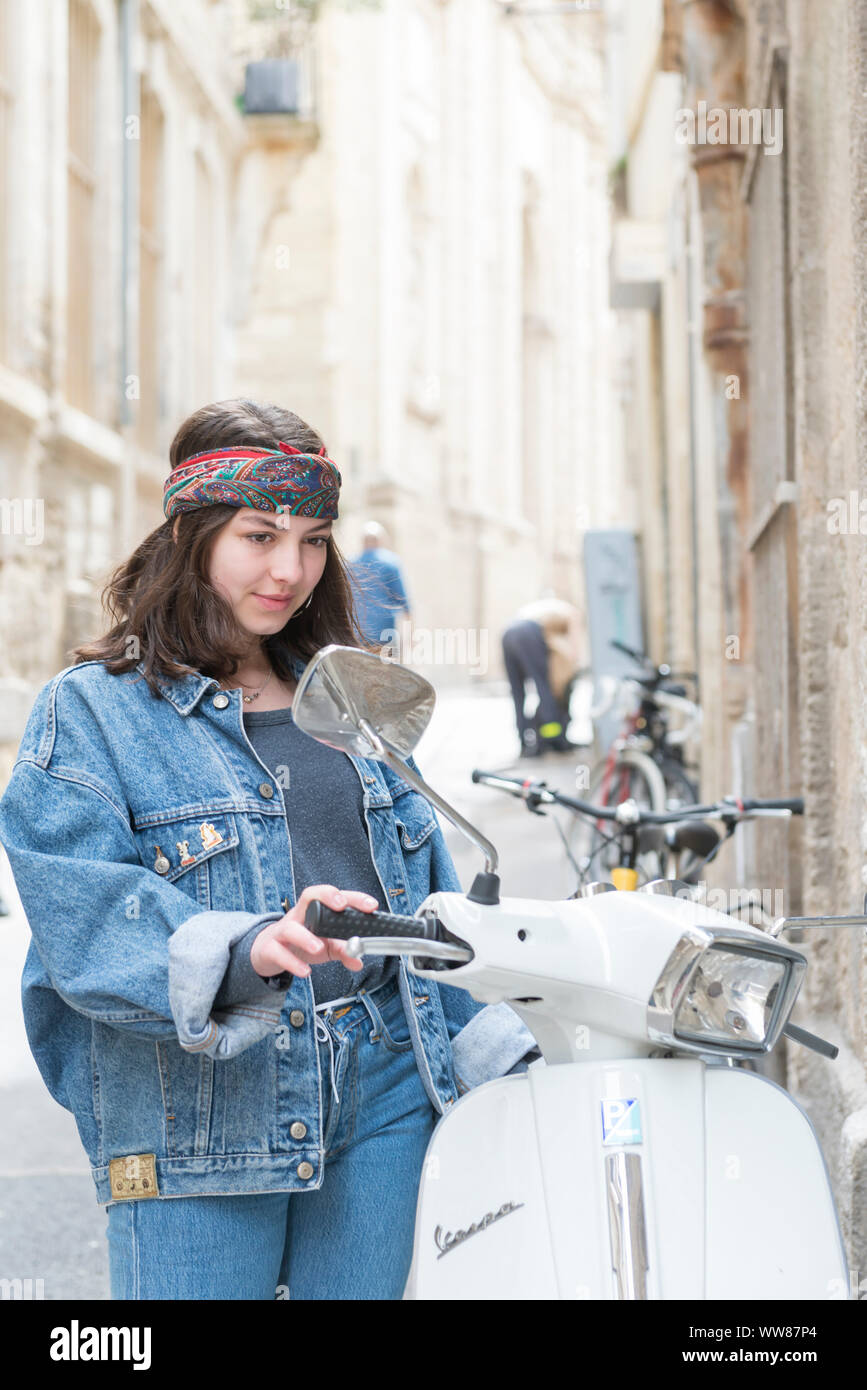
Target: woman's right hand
x,y
288,945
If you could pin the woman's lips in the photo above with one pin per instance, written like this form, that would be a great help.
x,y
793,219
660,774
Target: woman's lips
x,y
275,601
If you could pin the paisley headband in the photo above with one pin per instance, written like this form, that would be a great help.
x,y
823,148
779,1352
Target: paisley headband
x,y
266,479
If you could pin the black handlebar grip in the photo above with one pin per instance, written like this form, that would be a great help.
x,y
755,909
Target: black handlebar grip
x,y
795,804
351,921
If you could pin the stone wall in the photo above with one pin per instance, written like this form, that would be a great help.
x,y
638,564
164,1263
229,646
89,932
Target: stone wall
x,y
823,55
778,564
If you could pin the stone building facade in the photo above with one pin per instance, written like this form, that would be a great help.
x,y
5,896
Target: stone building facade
x,y
412,259
753,262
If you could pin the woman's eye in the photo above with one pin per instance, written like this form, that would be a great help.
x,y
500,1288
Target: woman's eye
x,y
257,536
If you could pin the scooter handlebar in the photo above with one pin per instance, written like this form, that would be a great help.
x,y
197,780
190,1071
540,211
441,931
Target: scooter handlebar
x,y
391,934
351,921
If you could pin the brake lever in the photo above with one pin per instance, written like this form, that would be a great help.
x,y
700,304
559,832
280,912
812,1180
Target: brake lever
x,y
358,946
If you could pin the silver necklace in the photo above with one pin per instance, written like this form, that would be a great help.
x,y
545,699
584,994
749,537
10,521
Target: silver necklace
x,y
248,699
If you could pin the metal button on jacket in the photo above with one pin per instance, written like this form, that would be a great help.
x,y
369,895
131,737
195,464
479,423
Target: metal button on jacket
x,y
298,1130
296,1018
305,1170
265,789
285,904
220,701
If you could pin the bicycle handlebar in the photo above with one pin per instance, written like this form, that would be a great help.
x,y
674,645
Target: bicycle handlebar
x,y
614,687
629,651
729,808
663,672
795,804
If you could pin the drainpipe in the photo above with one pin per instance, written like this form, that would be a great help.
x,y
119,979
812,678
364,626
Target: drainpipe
x,y
713,66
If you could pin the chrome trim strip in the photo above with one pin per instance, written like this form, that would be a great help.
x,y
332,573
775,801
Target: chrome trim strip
x,y
626,1225
670,888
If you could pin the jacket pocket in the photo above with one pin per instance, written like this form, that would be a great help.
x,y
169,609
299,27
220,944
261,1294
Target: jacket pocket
x,y
132,1108
244,1110
187,1084
414,818
198,853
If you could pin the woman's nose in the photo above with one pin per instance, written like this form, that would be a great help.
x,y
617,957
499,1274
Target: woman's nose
x,y
286,562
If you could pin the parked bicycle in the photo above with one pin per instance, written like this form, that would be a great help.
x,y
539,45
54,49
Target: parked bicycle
x,y
644,846
646,762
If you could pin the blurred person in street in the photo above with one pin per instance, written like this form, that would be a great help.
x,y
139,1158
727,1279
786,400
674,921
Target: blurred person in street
x,y
542,644
379,590
254,1102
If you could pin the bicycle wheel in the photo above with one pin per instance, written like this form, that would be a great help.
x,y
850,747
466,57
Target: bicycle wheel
x,y
680,790
610,785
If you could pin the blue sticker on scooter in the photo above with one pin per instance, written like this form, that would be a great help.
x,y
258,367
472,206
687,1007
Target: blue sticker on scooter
x,y
621,1121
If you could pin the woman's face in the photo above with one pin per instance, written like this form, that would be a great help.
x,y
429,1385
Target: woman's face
x,y
266,572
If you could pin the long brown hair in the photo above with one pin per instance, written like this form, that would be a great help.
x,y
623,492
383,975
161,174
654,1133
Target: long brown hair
x,y
164,609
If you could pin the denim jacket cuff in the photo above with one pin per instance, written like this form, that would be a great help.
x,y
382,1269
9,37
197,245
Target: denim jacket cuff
x,y
489,1045
206,963
241,983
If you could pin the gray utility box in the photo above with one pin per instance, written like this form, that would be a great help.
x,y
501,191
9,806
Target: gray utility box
x,y
271,85
614,609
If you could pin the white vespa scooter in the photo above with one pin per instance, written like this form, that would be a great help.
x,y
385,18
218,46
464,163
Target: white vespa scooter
x,y
637,1160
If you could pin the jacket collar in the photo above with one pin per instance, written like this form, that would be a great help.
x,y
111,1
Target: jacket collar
x,y
184,692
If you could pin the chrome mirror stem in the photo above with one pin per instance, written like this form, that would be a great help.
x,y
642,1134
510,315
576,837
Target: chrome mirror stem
x,y
798,923
390,756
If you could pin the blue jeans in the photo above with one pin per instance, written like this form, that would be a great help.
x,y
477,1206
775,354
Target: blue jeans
x,y
349,1239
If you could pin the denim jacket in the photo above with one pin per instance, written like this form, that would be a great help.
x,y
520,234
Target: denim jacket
x,y
147,839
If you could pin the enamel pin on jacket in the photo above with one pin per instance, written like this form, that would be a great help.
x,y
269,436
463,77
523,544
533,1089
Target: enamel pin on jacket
x,y
147,839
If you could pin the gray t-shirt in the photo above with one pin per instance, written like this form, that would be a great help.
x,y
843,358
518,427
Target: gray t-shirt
x,y
330,844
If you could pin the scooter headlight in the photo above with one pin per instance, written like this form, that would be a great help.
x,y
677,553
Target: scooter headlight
x,y
731,998
735,995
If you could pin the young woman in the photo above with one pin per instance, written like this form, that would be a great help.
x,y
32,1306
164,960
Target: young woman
x,y
255,1104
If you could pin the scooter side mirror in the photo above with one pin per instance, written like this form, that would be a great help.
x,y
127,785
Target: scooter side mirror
x,y
356,702
342,688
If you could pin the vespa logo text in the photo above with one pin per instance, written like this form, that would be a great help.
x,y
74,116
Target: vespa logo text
x,y
447,1242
